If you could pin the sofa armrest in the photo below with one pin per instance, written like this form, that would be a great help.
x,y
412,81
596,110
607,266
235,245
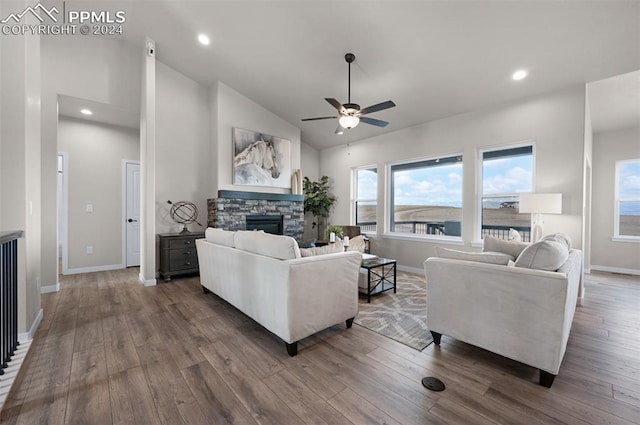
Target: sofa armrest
x,y
323,291
519,313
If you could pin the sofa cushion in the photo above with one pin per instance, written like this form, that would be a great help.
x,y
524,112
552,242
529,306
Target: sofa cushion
x,y
276,246
498,258
545,254
512,248
321,250
220,237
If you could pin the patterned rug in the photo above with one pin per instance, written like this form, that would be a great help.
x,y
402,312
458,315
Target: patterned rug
x,y
401,316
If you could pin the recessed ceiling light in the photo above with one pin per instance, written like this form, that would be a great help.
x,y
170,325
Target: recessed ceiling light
x,y
519,75
86,111
204,39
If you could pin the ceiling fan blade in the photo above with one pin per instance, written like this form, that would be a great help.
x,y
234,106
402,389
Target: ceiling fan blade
x,y
319,118
373,121
377,107
334,103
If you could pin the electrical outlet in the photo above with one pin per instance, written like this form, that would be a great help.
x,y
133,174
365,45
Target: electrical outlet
x,y
89,249
89,208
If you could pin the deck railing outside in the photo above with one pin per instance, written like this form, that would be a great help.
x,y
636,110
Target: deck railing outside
x,y
439,228
8,296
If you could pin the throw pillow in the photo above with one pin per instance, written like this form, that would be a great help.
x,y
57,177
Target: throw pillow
x,y
356,244
543,255
512,248
321,250
498,258
563,238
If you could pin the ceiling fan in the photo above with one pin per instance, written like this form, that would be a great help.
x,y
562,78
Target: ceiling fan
x,y
350,114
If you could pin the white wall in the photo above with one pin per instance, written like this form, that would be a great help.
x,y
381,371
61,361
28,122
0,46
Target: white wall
x,y
232,109
183,147
609,147
95,157
20,188
310,166
95,68
555,122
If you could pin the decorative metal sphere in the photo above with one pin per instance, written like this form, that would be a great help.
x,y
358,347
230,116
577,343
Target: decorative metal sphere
x,y
184,212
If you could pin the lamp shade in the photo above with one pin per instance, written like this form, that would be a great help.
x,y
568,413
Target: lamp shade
x,y
541,203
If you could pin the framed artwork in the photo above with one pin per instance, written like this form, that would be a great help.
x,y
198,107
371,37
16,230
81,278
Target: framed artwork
x,y
260,159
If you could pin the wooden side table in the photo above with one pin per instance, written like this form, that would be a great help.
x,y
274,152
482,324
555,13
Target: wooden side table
x,y
178,255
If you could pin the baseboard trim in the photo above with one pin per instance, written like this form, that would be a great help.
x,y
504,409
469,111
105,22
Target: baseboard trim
x,y
410,269
50,288
145,282
28,336
93,269
615,270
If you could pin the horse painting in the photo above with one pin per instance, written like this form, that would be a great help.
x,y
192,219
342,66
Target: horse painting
x,y
260,159
261,154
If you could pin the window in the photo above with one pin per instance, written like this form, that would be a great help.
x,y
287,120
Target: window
x,y
505,174
426,197
366,198
627,202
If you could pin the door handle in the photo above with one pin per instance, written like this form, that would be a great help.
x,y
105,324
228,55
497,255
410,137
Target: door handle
x,y
132,220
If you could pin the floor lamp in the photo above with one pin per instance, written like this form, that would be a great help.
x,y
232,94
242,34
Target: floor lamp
x,y
537,204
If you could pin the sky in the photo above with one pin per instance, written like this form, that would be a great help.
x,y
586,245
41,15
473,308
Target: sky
x,y
629,187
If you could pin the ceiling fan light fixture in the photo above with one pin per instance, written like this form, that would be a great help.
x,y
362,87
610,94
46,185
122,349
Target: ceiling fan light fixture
x,y
348,121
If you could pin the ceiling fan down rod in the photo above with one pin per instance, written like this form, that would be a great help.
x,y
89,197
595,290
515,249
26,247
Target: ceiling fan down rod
x,y
349,57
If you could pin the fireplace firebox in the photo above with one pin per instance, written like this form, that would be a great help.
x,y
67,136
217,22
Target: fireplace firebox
x,y
269,223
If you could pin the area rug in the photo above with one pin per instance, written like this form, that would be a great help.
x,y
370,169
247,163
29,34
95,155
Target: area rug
x,y
401,316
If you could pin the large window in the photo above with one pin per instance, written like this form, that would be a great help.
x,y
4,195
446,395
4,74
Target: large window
x,y
627,207
365,198
505,174
426,197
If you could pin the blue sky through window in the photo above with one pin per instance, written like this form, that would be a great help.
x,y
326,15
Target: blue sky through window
x,y
507,175
629,187
433,186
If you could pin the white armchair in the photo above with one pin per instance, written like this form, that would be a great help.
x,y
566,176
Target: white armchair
x,y
520,313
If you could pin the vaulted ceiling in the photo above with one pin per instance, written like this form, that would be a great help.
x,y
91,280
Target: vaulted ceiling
x,y
433,59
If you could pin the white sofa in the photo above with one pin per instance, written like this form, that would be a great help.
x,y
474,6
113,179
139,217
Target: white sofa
x,y
521,313
265,277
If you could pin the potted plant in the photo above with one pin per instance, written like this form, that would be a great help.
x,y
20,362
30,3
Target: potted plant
x,y
332,228
317,200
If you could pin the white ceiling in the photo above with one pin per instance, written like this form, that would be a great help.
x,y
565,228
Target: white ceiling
x,y
433,59
71,106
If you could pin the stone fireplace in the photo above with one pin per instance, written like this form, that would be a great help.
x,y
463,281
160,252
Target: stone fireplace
x,y
230,209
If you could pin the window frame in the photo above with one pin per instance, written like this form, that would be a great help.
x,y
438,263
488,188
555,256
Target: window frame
x,y
616,203
480,180
389,193
355,195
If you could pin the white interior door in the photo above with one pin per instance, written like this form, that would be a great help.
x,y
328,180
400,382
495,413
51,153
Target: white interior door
x,y
132,213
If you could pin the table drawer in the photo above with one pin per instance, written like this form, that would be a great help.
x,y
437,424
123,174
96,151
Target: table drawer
x,y
182,243
182,259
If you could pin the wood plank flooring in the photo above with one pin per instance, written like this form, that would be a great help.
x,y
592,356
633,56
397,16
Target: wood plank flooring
x,y
110,351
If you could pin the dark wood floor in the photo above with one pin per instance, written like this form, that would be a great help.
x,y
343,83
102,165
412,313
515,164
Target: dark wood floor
x,y
111,351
